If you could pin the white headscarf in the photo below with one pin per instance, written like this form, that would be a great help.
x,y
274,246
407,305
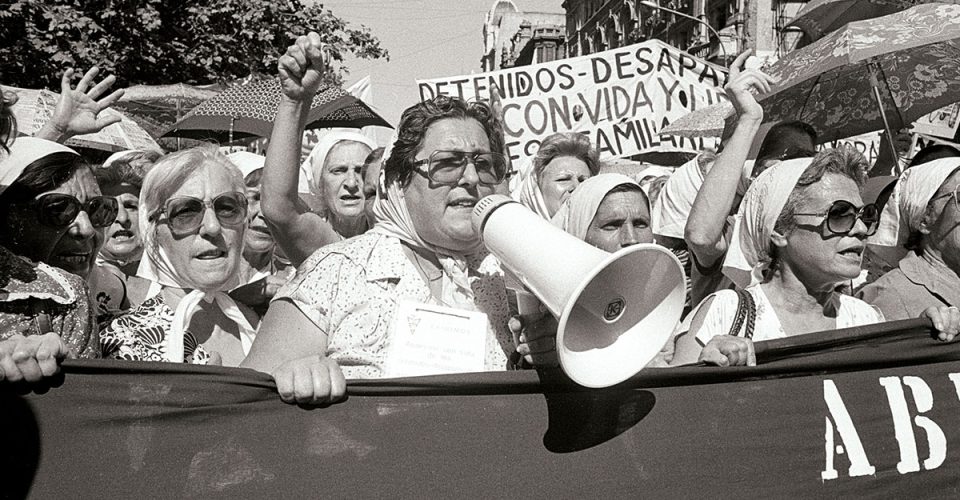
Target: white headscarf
x,y
318,156
393,219
247,162
115,157
156,266
530,195
907,205
576,215
23,152
748,254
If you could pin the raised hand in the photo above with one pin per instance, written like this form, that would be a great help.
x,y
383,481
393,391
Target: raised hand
x,y
743,84
302,67
78,110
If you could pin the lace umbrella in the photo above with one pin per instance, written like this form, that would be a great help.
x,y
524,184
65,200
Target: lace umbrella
x,y
249,109
821,17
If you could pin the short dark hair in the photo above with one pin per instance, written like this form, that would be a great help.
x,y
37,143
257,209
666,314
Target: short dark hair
x,y
123,171
845,160
43,174
566,144
933,152
782,140
417,119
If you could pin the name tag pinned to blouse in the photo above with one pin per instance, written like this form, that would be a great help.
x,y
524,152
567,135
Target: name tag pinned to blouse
x,y
429,340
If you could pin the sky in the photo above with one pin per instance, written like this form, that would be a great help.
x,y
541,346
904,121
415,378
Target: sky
x,y
425,38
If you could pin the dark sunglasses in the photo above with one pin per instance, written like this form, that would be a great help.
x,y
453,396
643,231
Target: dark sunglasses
x,y
60,210
842,217
447,167
184,214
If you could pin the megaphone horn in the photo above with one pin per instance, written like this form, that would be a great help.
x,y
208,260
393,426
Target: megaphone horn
x,y
616,311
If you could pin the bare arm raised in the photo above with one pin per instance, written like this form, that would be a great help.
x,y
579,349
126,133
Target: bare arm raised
x,y
705,226
298,231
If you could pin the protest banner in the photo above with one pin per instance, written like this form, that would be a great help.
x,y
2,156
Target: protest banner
x,y
868,144
867,420
620,98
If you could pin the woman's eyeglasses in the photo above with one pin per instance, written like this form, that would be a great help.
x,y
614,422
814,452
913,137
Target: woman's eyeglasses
x,y
447,167
60,210
842,217
184,214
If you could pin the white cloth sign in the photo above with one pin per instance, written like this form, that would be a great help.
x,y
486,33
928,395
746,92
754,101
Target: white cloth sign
x,y
430,340
620,98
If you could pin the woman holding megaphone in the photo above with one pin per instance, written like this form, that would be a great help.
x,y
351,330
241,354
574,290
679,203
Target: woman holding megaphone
x,y
390,301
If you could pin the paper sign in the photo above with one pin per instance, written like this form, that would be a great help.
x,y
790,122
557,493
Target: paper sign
x,y
430,340
619,98
941,123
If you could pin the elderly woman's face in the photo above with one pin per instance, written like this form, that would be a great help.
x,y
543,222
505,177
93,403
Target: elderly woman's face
x,y
559,178
371,177
944,230
622,220
210,255
821,258
341,180
123,241
441,213
73,248
257,238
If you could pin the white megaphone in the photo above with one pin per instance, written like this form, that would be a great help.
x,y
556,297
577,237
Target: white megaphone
x,y
616,310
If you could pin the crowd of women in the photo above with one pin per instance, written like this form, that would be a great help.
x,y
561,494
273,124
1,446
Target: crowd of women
x,y
300,270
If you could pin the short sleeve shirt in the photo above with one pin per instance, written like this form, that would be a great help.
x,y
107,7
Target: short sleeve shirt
x,y
351,289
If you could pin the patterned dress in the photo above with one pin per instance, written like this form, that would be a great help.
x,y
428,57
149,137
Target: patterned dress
x,y
138,335
351,289
36,299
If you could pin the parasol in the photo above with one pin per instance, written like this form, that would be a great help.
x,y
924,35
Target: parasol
x,y
156,107
35,107
821,17
249,109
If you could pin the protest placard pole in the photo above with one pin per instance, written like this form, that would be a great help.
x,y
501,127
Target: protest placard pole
x,y
723,50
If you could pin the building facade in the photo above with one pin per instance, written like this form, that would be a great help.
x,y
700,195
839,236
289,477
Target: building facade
x,y
716,30
513,38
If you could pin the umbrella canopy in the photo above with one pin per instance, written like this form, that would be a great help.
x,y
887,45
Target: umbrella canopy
x,y
249,109
704,122
820,17
35,107
909,61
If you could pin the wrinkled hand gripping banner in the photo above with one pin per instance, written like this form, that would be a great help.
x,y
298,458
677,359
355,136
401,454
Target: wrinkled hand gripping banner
x,y
877,421
619,98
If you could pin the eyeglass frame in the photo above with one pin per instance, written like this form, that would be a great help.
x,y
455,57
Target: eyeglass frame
x,y
955,194
37,206
857,217
471,156
207,204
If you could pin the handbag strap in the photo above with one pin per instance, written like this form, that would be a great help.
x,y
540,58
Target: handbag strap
x,y
746,314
